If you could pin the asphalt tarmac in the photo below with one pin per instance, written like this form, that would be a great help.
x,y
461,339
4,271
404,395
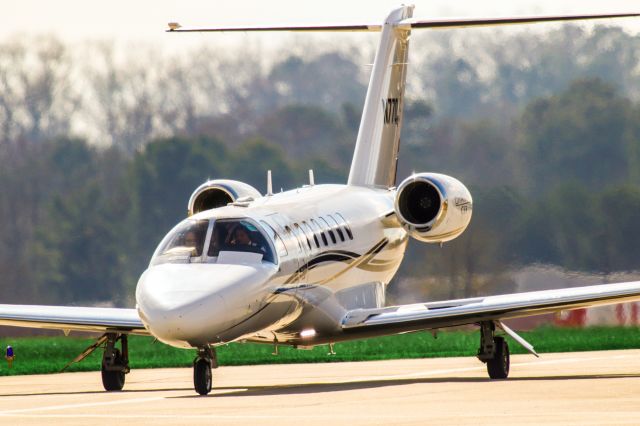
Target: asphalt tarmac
x,y
571,388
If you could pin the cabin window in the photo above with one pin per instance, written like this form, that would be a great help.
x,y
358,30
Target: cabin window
x,y
345,226
309,232
301,232
319,227
280,247
329,231
337,227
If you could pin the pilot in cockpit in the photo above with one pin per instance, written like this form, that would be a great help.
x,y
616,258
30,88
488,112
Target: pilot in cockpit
x,y
185,243
241,241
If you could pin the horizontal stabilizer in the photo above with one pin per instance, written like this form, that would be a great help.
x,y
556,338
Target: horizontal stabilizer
x,y
407,24
482,22
176,28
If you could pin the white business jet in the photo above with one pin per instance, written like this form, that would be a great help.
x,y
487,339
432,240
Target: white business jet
x,y
310,266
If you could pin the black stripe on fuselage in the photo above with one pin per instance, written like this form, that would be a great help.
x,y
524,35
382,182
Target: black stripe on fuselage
x,y
336,256
329,257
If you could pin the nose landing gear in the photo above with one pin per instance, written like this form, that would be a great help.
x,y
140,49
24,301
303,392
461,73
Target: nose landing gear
x,y
202,365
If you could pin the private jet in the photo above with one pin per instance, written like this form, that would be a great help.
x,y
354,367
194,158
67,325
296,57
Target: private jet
x,y
311,266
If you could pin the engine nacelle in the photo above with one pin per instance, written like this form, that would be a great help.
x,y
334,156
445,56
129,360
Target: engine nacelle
x,y
218,193
433,208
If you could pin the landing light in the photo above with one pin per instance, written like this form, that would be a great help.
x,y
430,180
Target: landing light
x,y
310,332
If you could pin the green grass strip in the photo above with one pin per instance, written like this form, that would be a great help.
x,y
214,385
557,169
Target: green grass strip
x,y
39,355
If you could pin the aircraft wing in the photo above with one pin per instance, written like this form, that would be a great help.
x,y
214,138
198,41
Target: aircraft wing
x,y
75,318
491,308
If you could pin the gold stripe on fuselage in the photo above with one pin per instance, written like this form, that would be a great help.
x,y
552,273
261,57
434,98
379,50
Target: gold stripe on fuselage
x,y
359,262
362,259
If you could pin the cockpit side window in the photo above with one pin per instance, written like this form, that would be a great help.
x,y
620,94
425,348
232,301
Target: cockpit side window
x,y
183,244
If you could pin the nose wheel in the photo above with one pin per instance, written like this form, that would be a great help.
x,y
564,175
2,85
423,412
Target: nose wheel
x,y
202,365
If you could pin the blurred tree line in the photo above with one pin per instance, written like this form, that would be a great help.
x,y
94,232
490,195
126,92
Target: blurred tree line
x,y
99,151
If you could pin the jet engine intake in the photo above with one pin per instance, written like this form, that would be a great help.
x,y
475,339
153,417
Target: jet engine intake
x,y
218,193
432,207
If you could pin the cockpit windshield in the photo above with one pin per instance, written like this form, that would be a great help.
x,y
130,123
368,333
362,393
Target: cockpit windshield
x,y
183,243
226,241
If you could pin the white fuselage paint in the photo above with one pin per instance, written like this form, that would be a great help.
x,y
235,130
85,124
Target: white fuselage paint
x,y
309,288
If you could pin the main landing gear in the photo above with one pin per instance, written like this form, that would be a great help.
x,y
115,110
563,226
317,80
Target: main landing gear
x,y
115,362
202,365
494,351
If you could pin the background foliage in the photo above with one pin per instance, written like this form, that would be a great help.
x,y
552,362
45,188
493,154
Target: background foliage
x,y
99,152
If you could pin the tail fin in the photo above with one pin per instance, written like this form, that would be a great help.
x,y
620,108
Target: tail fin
x,y
376,154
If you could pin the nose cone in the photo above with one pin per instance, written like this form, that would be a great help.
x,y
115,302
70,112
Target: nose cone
x,y
192,304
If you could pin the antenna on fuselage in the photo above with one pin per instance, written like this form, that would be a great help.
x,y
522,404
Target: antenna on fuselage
x,y
269,184
312,180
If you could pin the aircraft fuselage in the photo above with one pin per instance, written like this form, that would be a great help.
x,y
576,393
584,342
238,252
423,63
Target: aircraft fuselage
x,y
336,248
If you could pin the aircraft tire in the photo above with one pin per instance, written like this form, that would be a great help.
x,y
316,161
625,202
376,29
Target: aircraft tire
x,y
202,380
112,380
498,366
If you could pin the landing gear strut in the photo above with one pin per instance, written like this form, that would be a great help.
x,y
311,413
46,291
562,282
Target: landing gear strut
x,y
115,362
493,351
202,365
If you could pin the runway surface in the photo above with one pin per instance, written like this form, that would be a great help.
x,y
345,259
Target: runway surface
x,y
572,388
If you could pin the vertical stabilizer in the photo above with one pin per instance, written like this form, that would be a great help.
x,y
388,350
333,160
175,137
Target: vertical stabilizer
x,y
376,154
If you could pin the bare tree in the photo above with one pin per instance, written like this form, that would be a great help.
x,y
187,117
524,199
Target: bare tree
x,y
37,96
119,99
